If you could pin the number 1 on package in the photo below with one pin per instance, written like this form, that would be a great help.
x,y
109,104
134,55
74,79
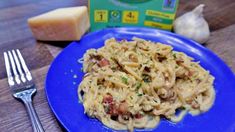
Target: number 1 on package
x,y
101,16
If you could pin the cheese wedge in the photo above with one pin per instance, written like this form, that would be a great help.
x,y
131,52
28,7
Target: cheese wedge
x,y
64,24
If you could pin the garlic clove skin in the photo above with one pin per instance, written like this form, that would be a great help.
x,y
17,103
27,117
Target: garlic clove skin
x,y
193,25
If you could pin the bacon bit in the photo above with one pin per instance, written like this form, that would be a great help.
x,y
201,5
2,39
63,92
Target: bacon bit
x,y
123,107
103,62
179,61
195,105
138,116
112,110
96,57
108,99
190,73
160,59
109,105
147,69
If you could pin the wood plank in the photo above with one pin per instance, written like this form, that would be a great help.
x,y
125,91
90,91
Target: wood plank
x,y
15,34
54,50
16,3
222,43
13,116
218,13
36,56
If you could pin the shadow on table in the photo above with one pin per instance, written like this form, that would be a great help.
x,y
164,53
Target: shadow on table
x,y
61,44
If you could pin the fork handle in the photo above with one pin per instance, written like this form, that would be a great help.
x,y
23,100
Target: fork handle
x,y
37,126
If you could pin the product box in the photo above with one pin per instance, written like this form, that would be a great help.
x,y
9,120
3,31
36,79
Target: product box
x,y
117,13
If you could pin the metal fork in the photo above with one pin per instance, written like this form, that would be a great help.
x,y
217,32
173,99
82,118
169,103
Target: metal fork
x,y
21,83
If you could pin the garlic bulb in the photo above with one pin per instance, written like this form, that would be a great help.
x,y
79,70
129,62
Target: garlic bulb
x,y
193,25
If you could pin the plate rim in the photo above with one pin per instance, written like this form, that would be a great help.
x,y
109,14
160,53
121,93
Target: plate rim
x,y
131,29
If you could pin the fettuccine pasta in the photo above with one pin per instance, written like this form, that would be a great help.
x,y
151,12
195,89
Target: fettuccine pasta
x,y
130,84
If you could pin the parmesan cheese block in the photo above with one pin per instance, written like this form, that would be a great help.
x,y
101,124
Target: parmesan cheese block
x,y
62,24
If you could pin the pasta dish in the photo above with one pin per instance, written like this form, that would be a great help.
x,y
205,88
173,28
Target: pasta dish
x,y
132,84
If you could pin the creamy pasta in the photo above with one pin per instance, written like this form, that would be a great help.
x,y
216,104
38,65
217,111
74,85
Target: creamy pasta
x,y
131,84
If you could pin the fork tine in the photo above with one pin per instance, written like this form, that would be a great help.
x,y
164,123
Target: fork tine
x,y
13,66
8,69
25,68
18,66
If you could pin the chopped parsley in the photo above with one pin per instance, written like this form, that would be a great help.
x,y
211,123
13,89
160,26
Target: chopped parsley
x,y
146,62
107,109
113,68
124,80
140,94
155,100
146,78
138,85
174,55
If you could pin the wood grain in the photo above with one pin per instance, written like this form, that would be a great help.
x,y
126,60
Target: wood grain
x,y
36,56
222,43
218,13
13,114
14,33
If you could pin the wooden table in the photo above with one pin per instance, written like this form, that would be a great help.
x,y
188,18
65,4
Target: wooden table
x,y
14,33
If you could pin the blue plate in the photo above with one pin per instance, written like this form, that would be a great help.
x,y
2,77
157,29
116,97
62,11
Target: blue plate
x,y
65,75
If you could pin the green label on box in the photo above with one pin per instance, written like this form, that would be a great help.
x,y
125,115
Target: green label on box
x,y
118,13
